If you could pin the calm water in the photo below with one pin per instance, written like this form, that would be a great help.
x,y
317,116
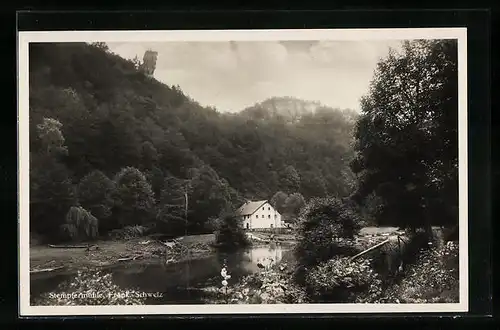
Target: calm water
x,y
179,283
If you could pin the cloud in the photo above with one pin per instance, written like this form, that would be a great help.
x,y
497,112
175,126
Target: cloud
x,y
233,75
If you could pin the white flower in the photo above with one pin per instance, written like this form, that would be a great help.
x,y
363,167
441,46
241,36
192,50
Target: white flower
x,y
227,277
224,282
223,272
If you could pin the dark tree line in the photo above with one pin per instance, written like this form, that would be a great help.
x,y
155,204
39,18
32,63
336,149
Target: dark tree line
x,y
129,150
407,137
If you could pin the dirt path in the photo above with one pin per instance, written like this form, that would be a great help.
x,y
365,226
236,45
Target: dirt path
x,y
112,252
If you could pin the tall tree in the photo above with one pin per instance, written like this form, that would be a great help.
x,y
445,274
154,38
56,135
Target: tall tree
x,y
278,201
133,198
95,195
406,137
209,195
173,207
290,179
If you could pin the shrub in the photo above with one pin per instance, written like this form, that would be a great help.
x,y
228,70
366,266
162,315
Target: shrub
x,y
272,286
89,288
129,232
341,280
327,227
80,225
229,234
434,278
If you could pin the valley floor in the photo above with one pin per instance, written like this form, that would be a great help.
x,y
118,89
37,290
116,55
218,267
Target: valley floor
x,y
109,253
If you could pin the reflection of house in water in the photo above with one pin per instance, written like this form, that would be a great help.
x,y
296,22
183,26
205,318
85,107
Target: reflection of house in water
x,y
266,255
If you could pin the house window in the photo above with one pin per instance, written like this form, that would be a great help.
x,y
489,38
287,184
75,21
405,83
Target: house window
x,y
263,215
271,225
269,216
275,216
256,215
269,209
248,225
263,208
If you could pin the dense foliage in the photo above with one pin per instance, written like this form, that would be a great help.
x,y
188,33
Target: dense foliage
x,y
80,225
342,280
325,229
229,234
434,278
407,137
90,288
94,115
289,206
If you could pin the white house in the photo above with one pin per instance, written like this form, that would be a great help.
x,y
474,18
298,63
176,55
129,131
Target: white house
x,y
260,214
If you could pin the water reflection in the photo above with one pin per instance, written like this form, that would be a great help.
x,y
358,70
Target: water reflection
x,y
183,282
265,256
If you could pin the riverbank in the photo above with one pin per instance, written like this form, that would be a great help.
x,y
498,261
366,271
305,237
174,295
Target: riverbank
x,y
107,253
257,237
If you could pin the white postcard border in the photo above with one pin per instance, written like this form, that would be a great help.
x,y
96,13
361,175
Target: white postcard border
x,y
24,38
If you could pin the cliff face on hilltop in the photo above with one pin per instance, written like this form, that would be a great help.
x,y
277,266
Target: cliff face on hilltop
x,y
291,109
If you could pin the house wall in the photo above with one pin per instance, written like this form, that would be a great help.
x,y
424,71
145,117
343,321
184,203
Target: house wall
x,y
265,217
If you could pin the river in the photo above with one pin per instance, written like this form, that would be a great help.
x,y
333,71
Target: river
x,y
178,283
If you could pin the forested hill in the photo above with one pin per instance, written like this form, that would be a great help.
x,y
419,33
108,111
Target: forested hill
x,y
108,116
292,109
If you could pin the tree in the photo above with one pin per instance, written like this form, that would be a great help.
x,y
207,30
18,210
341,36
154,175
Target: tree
x,y
290,179
149,154
100,45
49,132
278,201
172,216
229,232
51,188
137,62
292,207
323,223
406,137
313,184
51,194
156,178
80,225
133,198
209,194
95,195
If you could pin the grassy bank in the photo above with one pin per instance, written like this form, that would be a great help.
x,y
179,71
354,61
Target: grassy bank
x,y
111,252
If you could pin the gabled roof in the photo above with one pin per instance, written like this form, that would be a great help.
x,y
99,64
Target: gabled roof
x,y
249,208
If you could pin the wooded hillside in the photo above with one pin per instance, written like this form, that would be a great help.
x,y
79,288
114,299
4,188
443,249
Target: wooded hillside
x,y
129,149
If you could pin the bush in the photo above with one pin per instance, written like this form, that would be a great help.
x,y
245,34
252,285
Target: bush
x,y
272,286
341,280
90,288
434,278
129,232
326,230
229,234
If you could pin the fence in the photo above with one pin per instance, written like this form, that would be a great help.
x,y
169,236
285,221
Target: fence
x,y
271,230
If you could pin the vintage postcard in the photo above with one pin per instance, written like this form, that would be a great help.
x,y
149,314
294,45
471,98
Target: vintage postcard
x,y
243,171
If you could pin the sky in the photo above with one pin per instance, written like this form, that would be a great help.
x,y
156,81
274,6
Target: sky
x,y
233,75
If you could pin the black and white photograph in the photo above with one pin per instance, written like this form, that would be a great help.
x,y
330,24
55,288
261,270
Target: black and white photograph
x,y
278,171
